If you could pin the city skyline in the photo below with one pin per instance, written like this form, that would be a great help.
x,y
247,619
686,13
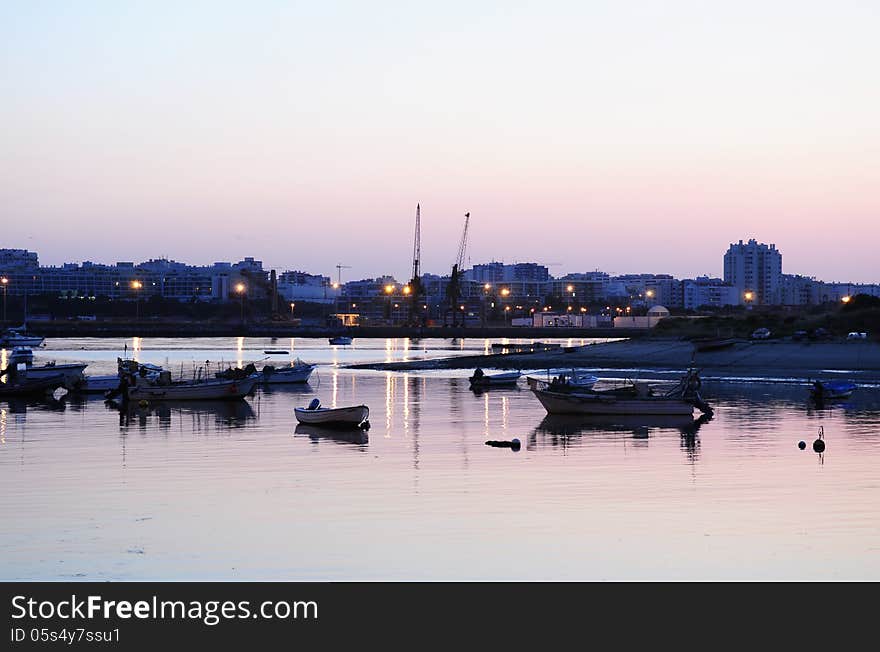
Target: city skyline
x,y
616,136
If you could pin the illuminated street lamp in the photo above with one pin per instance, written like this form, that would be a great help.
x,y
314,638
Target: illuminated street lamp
x,y
136,286
4,282
240,288
505,292
845,299
649,293
407,289
749,296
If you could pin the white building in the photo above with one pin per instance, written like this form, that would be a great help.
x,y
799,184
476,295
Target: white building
x,y
754,267
705,292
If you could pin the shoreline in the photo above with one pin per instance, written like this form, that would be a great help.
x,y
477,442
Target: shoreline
x,y
747,359
281,329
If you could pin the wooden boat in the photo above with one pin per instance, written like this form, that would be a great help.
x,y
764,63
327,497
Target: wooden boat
x,y
345,417
298,372
30,386
479,379
72,373
827,390
138,384
637,398
341,340
275,352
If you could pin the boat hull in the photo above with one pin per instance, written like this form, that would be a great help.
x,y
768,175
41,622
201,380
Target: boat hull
x,y
214,390
287,376
352,416
586,403
73,373
497,380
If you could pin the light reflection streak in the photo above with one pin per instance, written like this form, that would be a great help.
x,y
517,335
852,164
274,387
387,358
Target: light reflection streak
x,y
389,347
240,351
136,344
389,402
335,387
2,425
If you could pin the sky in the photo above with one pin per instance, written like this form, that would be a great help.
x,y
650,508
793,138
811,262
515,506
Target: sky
x,y
626,136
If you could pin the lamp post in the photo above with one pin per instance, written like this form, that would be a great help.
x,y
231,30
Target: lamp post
x,y
240,288
389,290
4,282
136,286
748,296
486,288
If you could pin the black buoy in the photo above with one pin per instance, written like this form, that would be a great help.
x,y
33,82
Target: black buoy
x,y
802,444
819,444
513,444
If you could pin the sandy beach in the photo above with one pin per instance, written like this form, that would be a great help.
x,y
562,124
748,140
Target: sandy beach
x,y
765,358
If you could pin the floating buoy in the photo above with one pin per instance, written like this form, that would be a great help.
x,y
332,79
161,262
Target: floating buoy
x,y
819,444
802,444
513,444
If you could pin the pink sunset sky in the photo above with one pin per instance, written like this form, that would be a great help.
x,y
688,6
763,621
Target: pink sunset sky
x,y
622,136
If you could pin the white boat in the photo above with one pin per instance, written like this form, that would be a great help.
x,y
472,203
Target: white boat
x,y
20,355
13,337
21,366
637,398
480,379
298,372
342,340
354,416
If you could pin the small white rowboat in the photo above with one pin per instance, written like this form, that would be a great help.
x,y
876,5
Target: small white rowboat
x,y
354,416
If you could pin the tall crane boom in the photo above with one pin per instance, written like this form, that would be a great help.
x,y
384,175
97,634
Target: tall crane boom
x,y
453,290
416,289
462,246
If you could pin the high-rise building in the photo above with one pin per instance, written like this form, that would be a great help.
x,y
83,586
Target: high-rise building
x,y
754,268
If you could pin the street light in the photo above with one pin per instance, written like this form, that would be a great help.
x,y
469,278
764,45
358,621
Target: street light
x,y
4,281
136,286
649,293
240,288
748,296
845,299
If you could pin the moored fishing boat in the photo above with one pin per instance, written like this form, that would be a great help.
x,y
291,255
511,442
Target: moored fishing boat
x,y
341,340
136,384
344,417
636,398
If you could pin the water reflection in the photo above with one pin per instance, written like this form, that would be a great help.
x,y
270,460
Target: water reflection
x,y
201,415
561,430
338,436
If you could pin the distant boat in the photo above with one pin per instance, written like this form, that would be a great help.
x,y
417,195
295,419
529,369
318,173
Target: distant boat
x,y
713,343
13,337
828,390
345,417
298,372
275,352
342,340
480,379
637,398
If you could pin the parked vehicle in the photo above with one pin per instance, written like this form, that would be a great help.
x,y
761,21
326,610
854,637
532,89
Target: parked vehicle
x,y
761,334
857,336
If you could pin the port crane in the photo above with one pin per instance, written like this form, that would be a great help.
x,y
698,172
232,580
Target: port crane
x,y
339,268
415,289
453,290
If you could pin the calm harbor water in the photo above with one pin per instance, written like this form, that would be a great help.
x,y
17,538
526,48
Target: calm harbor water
x,y
210,490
